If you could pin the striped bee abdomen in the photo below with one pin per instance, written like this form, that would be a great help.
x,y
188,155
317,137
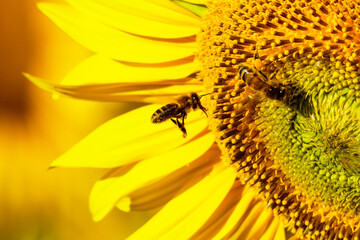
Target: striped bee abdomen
x,y
164,113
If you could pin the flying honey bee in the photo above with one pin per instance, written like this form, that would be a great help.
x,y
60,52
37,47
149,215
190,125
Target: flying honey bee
x,y
178,110
257,81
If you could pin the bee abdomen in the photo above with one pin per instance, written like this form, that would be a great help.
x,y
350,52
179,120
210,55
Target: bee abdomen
x,y
164,113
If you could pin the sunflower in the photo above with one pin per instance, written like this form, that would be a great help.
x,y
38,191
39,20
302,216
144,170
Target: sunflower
x,y
279,144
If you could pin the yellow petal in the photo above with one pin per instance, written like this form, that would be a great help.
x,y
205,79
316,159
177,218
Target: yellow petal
x,y
246,224
280,233
200,2
99,69
196,9
161,95
169,4
160,192
240,212
124,204
129,138
218,219
156,9
106,193
111,42
260,226
152,92
137,17
271,231
186,213
295,238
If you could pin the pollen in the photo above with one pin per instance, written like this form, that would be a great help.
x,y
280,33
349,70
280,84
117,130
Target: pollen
x,y
301,152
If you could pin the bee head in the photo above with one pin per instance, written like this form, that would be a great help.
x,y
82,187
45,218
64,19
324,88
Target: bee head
x,y
281,93
275,93
195,101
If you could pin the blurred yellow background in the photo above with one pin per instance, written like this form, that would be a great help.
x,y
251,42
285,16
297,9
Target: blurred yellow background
x,y
37,203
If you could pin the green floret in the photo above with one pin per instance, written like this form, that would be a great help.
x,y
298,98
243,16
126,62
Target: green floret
x,y
319,149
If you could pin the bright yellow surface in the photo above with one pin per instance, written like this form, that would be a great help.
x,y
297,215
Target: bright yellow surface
x,y
127,139
99,69
139,17
152,165
37,203
108,191
101,38
201,200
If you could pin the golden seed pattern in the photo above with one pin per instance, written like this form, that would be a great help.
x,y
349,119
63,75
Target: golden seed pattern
x,y
312,45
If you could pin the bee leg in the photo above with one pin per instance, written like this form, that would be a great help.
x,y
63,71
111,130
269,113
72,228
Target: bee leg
x,y
183,125
180,126
174,121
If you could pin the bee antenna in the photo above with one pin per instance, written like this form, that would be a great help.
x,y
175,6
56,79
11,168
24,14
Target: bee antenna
x,y
204,95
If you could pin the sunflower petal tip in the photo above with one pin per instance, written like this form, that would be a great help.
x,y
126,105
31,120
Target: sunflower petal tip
x,y
30,77
97,211
37,81
63,161
124,204
97,218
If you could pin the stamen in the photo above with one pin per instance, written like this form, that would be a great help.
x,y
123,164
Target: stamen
x,y
285,147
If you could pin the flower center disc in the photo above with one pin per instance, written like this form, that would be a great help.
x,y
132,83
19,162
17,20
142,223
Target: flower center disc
x,y
300,151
